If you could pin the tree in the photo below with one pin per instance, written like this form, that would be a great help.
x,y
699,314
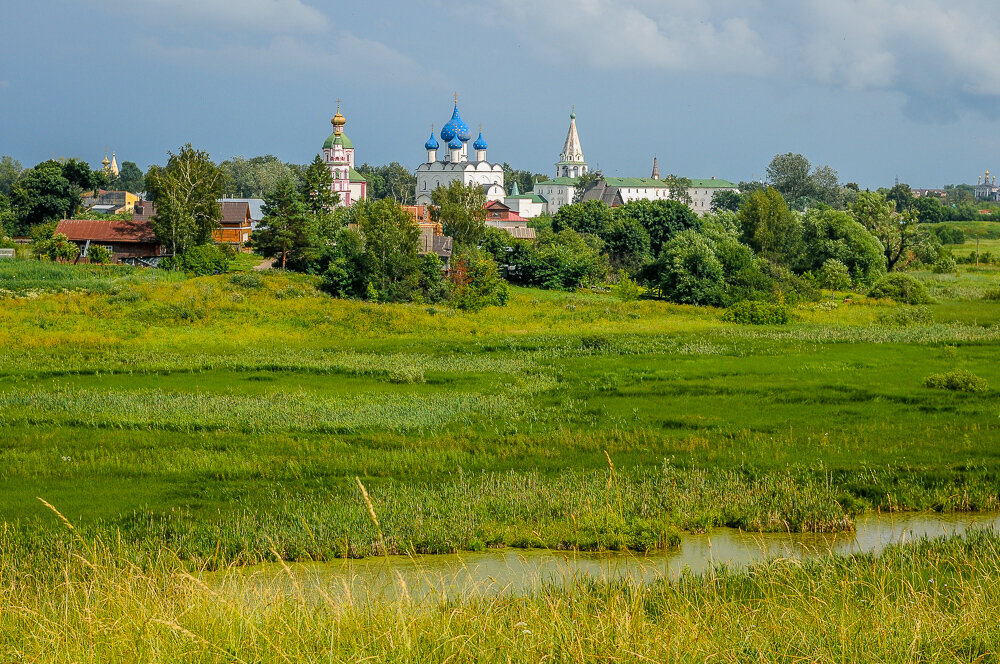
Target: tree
x,y
393,181
661,219
43,194
585,182
98,254
564,260
826,186
832,235
873,211
902,196
287,227
726,199
593,217
10,170
687,271
391,239
627,244
320,199
769,227
929,210
57,247
789,174
7,218
78,173
186,193
460,208
130,178
679,188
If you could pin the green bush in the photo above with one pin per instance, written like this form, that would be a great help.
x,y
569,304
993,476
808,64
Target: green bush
x,y
901,288
959,380
945,264
99,254
835,275
755,312
247,280
950,235
199,261
626,289
58,247
476,283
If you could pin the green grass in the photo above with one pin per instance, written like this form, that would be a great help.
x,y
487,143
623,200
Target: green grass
x,y
926,601
228,418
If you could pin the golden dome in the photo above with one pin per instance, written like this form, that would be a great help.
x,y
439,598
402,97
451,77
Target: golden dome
x,y
338,121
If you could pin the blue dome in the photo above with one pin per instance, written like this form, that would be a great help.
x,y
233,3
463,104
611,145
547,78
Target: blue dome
x,y
458,126
480,143
448,131
431,143
455,143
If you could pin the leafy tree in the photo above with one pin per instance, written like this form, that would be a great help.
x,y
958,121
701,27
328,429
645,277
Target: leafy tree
x,y
902,196
679,188
98,254
593,217
10,170
789,174
79,173
525,179
476,282
186,194
7,218
391,241
43,194
769,227
564,260
346,275
661,219
687,271
256,176
130,178
460,208
316,188
895,231
585,182
393,181
929,210
835,275
497,243
57,247
287,227
627,244
826,186
831,235
726,199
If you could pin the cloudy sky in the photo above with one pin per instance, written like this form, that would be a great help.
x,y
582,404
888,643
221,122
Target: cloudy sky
x,y
878,89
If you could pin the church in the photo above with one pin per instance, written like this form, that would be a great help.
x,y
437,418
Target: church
x,y
455,164
338,153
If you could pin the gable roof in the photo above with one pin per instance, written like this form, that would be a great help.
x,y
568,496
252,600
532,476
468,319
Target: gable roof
x,y
107,230
235,212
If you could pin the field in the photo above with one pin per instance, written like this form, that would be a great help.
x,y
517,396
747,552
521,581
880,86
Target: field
x,y
158,432
235,418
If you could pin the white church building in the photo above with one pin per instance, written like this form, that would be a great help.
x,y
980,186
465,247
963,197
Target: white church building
x,y
338,153
455,164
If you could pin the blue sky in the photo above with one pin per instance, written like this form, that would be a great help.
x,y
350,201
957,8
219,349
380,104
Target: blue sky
x,y
877,89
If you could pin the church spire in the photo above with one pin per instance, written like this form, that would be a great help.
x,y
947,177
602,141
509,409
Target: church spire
x,y
571,162
656,169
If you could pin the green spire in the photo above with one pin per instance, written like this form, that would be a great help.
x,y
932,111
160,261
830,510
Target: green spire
x,y
514,191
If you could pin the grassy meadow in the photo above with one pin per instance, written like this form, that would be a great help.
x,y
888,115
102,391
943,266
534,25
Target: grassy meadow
x,y
231,418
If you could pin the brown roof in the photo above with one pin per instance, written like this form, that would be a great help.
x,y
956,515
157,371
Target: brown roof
x,y
235,212
107,230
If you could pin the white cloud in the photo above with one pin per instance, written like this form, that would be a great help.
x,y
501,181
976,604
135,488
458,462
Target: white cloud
x,y
619,34
266,16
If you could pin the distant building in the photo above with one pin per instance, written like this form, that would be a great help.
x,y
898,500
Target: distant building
x,y
110,168
108,202
528,205
456,165
929,193
702,191
256,209
987,190
432,237
499,215
129,241
338,153
236,224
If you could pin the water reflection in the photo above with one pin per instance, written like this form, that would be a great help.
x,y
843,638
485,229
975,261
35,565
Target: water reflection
x,y
518,571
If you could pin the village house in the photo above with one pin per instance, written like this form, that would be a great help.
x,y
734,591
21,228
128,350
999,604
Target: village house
x,y
500,215
129,240
235,226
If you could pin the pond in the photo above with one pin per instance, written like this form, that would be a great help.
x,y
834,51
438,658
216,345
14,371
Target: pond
x,y
520,571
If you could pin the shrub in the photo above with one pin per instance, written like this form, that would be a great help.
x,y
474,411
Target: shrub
x,y
99,254
687,271
835,275
476,283
755,312
950,235
945,264
199,261
904,317
247,280
959,380
901,288
626,289
992,294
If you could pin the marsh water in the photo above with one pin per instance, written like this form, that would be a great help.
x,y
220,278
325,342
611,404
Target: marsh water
x,y
519,571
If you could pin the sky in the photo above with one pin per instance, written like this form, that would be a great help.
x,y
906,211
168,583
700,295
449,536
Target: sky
x,y
878,89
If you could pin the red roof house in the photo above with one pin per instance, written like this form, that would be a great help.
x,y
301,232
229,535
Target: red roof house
x,y
128,241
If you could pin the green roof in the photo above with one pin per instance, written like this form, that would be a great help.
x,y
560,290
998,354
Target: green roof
x,y
570,181
333,139
357,177
634,182
713,183
535,198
